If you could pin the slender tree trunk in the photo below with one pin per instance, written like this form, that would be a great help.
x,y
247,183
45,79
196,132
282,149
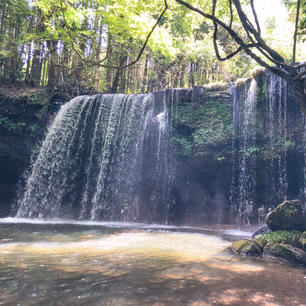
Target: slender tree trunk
x,y
145,74
300,94
182,82
109,62
36,67
118,74
175,79
52,75
27,75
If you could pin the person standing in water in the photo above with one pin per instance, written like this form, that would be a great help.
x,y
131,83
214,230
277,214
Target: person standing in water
x,y
247,212
125,211
261,215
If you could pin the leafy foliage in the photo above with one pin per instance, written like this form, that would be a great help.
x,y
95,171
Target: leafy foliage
x,y
199,126
287,237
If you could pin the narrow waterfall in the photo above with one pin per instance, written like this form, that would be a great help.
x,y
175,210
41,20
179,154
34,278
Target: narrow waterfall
x,y
269,136
104,157
278,137
243,145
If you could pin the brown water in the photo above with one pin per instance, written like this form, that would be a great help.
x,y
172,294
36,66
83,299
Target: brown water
x,y
115,264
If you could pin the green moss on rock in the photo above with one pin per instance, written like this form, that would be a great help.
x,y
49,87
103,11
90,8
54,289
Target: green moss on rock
x,y
286,237
247,247
286,251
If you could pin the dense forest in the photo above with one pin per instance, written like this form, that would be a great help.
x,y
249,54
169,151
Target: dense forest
x,y
136,46
145,146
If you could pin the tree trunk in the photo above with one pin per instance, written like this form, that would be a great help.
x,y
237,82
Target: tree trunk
x,y
182,82
299,87
145,74
109,70
36,67
118,74
52,75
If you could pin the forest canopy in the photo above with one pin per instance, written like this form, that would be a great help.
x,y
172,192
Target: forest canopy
x,y
80,44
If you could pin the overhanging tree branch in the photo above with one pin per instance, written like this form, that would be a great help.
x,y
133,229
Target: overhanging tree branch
x,y
215,34
255,17
231,13
290,73
140,52
296,30
248,27
238,40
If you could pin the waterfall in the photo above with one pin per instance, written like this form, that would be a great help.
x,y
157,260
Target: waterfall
x,y
277,137
268,145
247,148
243,144
104,157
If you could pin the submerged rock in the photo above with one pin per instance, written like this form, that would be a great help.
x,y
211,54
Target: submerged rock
x,y
286,251
248,247
287,216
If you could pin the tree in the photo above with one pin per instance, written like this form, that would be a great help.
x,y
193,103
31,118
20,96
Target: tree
x,y
255,46
135,46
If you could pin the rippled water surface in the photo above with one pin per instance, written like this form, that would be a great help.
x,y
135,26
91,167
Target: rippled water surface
x,y
116,264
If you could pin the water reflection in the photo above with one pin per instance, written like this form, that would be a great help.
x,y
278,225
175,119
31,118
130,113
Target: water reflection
x,y
71,264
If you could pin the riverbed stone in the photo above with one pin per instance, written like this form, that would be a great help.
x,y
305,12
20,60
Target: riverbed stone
x,y
286,251
287,216
247,247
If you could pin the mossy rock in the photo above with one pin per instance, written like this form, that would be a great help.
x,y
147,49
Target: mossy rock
x,y
302,241
287,216
281,237
247,247
286,251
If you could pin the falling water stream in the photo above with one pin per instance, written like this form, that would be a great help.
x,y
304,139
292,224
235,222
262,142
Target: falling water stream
x,y
103,157
266,125
123,264
277,129
243,145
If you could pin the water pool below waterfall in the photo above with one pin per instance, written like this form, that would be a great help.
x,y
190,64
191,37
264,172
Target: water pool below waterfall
x,y
121,264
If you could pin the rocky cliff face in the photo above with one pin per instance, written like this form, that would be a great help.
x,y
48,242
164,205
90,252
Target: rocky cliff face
x,y
226,146
20,129
201,121
229,148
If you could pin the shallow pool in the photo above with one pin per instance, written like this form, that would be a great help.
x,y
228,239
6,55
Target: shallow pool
x,y
120,264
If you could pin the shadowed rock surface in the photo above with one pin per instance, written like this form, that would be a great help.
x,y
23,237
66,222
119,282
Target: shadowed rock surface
x,y
287,216
286,251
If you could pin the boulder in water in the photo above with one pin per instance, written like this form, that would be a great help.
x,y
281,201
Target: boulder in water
x,y
286,251
287,216
247,247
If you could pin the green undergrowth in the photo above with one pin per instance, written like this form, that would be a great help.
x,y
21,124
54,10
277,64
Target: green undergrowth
x,y
286,237
194,128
